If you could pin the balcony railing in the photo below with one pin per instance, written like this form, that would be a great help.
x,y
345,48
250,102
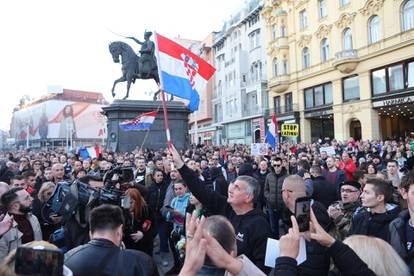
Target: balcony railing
x,y
281,110
346,54
346,61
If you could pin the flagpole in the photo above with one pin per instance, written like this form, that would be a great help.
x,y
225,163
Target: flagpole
x,y
164,105
196,126
145,139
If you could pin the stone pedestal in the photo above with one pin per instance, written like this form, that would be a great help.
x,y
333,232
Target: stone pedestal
x,y
121,141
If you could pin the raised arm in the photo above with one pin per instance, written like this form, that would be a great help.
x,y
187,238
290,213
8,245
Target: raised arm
x,y
136,40
213,201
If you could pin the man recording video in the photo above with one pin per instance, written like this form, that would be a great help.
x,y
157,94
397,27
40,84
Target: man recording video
x,y
103,255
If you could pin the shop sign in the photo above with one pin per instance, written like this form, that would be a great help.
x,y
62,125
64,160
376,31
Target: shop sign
x,y
395,101
290,130
318,113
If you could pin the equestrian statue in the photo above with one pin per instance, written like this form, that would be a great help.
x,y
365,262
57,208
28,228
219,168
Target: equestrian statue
x,y
141,66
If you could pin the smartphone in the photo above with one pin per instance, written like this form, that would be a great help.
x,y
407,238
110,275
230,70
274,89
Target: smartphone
x,y
126,202
168,207
302,213
38,261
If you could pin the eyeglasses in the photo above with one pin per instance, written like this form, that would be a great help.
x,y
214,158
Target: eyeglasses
x,y
277,165
348,191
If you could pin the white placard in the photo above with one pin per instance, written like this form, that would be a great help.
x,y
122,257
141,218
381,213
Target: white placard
x,y
273,252
329,150
258,149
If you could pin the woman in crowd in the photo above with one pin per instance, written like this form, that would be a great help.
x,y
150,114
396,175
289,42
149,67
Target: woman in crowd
x,y
139,224
48,226
380,257
155,200
371,170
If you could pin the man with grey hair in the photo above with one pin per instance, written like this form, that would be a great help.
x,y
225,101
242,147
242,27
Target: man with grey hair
x,y
250,224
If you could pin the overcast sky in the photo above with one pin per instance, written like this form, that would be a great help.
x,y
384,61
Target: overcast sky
x,y
54,42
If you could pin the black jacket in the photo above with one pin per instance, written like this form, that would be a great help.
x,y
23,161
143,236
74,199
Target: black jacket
x,y
156,195
252,228
323,191
102,257
317,261
376,225
345,259
398,239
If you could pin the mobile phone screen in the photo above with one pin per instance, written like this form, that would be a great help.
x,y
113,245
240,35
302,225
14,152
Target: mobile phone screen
x,y
126,202
302,213
38,261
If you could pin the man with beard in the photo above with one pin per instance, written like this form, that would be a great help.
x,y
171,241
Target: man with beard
x,y
26,227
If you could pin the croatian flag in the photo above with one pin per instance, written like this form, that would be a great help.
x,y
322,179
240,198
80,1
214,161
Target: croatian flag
x,y
182,73
271,135
141,122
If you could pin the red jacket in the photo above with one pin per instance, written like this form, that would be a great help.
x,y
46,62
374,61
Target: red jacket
x,y
349,168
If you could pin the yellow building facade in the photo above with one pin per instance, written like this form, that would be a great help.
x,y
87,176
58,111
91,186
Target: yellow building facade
x,y
342,68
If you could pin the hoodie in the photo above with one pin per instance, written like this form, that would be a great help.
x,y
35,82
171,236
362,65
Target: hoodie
x,y
251,228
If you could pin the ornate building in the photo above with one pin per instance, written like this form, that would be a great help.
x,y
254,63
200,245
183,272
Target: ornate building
x,y
342,68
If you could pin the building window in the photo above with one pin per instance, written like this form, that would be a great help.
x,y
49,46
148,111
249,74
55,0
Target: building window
x,y
323,10
393,78
327,88
285,67
275,68
277,104
273,32
303,19
396,77
283,31
324,50
305,57
374,29
288,102
308,98
254,38
351,88
410,79
347,39
343,2
318,96
379,83
407,13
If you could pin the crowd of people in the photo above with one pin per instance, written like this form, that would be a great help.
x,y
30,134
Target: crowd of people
x,y
214,207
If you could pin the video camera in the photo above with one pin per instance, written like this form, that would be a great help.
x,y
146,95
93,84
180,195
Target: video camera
x,y
69,196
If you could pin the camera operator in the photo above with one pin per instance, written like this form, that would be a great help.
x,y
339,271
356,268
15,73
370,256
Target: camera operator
x,y
103,255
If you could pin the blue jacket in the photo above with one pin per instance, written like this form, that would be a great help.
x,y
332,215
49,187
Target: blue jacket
x,y
179,204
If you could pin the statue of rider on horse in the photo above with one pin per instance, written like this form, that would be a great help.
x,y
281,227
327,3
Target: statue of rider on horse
x,y
142,66
148,61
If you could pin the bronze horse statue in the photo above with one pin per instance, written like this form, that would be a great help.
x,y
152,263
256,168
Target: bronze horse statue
x,y
131,69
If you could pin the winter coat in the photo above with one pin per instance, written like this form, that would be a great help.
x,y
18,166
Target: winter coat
x,y
398,239
13,238
273,190
323,191
376,225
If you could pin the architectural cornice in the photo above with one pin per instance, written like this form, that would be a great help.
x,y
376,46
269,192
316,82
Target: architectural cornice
x,y
323,31
304,40
345,20
301,3
371,7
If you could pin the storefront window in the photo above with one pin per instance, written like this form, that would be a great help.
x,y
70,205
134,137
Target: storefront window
x,y
328,93
318,95
309,98
379,82
396,77
411,74
351,88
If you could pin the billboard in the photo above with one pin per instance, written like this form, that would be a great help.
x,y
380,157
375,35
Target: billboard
x,y
57,119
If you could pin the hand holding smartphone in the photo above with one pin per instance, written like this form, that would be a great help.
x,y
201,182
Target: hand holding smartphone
x,y
302,213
